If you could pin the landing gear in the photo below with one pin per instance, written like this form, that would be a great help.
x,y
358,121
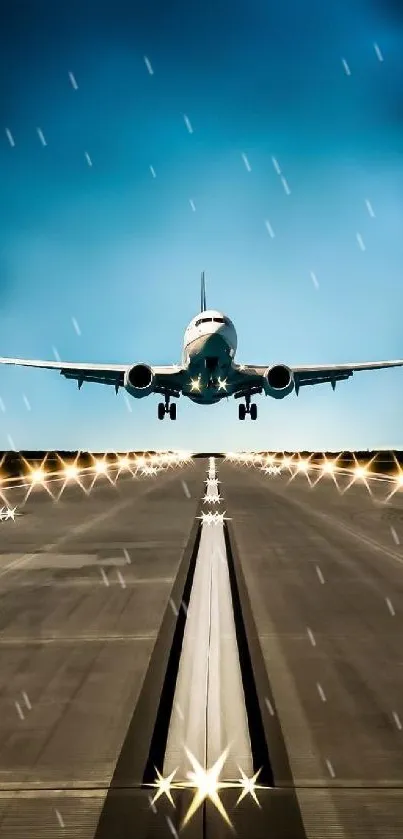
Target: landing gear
x,y
166,408
247,409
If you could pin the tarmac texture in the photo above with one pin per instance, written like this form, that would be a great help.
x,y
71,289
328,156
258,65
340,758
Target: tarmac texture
x,y
91,617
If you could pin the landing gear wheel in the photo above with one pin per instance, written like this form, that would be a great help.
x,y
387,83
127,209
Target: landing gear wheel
x,y
161,410
253,412
242,412
172,411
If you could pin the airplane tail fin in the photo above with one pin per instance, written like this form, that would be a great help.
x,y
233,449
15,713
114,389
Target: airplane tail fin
x,y
203,304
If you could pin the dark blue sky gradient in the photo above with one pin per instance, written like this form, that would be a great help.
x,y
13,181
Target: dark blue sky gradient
x,y
121,251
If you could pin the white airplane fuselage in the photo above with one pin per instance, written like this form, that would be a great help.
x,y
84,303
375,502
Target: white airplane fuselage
x,y
209,348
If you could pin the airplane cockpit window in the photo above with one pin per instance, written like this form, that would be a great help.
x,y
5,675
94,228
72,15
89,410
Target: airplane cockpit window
x,y
215,320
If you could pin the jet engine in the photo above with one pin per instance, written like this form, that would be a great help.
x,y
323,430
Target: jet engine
x,y
279,381
139,380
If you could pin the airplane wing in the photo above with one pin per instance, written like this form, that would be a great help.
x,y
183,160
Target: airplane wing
x,y
169,379
310,374
166,378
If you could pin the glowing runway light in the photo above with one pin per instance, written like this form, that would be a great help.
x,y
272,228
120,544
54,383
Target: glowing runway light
x,y
302,466
360,471
101,467
249,786
212,518
149,470
70,472
164,786
8,513
37,476
328,467
124,462
207,784
212,499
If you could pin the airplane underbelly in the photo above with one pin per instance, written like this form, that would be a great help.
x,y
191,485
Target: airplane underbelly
x,y
205,398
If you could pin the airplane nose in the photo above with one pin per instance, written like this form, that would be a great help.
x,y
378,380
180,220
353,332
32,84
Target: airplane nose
x,y
215,342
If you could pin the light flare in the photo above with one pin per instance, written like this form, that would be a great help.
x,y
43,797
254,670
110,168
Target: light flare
x,y
164,786
71,472
207,785
38,476
249,786
195,384
212,518
329,467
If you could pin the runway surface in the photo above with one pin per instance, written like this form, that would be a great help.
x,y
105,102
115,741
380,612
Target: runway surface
x,y
91,594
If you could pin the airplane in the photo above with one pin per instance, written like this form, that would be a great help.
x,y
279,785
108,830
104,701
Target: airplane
x,y
208,371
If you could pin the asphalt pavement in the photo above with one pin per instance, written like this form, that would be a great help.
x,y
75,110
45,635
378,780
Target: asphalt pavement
x,y
91,588
324,575
85,584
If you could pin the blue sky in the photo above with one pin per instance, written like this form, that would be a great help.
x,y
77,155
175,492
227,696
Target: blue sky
x,y
121,251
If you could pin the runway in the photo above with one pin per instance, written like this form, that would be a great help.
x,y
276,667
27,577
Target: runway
x,y
96,623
